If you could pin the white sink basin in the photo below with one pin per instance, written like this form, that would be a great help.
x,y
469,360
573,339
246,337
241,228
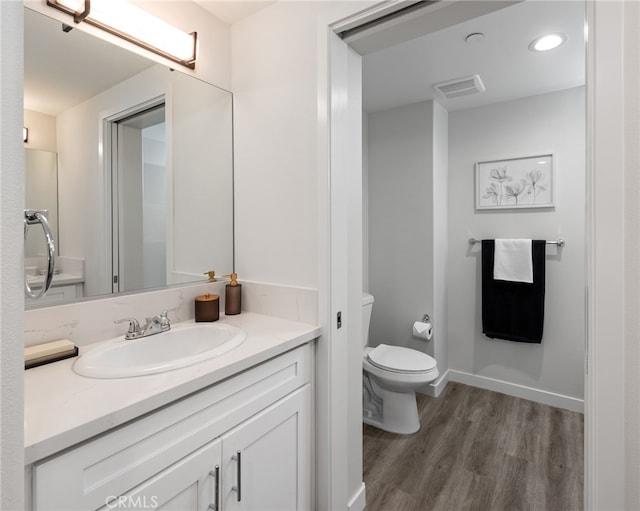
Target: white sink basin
x,y
181,346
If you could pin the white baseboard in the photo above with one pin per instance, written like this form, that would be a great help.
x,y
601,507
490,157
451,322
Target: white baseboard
x,y
435,388
512,389
359,500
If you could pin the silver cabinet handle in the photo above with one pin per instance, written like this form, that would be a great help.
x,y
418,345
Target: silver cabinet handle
x,y
31,217
238,457
216,497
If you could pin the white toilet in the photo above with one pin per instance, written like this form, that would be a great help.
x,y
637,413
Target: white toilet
x,y
390,377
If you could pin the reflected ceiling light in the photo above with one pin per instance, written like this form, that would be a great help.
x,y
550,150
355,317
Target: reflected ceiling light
x,y
121,18
547,42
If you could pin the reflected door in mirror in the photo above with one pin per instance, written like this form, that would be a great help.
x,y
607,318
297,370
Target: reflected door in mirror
x,y
139,200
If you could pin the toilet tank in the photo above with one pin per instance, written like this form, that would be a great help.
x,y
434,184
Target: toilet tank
x,y
367,306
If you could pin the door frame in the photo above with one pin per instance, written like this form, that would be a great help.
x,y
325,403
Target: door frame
x,y
111,189
606,475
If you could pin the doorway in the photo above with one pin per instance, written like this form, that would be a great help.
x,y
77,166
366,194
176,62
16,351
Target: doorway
x,y
354,20
500,100
423,151
138,199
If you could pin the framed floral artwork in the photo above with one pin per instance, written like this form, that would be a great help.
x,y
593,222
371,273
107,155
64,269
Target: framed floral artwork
x,y
515,183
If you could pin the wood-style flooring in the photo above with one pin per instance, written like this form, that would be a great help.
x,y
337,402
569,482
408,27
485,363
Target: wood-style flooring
x,y
478,450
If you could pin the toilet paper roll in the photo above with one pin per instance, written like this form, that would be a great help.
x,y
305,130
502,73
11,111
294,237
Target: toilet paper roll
x,y
422,330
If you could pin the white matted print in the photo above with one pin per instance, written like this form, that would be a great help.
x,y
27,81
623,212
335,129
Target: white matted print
x,y
515,183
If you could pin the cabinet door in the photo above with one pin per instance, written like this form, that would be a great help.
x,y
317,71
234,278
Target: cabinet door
x,y
191,484
266,459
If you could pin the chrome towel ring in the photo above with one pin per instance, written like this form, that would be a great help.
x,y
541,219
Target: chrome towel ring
x,y
31,217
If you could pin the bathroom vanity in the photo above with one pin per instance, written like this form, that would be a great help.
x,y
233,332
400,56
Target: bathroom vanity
x,y
233,432
64,288
67,284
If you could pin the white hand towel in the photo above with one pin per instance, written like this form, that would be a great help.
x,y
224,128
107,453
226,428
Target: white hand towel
x,y
513,261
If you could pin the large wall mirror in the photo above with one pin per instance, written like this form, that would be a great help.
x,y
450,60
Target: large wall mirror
x,y
144,162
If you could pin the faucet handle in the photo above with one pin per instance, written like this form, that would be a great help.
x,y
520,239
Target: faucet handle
x,y
164,319
134,326
163,314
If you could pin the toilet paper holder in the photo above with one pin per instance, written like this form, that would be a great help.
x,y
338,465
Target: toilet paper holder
x,y
423,329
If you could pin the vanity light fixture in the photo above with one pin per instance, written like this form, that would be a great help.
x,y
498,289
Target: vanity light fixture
x,y
125,20
548,42
25,134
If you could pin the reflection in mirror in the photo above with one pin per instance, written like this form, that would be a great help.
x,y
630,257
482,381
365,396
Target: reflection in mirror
x,y
145,177
41,193
139,201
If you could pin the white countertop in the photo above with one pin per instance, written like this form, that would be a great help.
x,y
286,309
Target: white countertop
x,y
63,408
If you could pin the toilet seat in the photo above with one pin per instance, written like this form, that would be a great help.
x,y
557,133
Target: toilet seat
x,y
400,360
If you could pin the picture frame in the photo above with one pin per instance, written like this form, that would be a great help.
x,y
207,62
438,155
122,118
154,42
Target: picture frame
x,y
515,183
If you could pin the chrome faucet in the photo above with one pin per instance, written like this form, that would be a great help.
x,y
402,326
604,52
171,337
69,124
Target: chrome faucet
x,y
154,325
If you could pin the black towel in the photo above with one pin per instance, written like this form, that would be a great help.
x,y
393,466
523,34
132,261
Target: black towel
x,y
513,310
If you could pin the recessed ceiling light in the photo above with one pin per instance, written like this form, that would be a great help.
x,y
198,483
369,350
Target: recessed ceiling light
x,y
547,42
475,38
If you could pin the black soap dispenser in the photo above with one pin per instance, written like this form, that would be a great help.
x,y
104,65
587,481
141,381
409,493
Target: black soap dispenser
x,y
233,296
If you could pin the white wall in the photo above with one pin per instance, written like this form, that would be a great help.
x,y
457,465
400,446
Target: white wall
x,y
551,123
200,142
41,192
632,256
275,123
42,131
42,136
130,262
440,226
407,222
400,222
155,215
365,201
11,290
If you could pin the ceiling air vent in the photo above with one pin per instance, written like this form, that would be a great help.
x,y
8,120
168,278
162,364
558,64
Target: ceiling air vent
x,y
460,87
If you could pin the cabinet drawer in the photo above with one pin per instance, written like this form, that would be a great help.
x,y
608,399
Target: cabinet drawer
x,y
113,463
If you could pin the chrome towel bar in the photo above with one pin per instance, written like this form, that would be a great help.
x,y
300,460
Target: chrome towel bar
x,y
32,217
560,242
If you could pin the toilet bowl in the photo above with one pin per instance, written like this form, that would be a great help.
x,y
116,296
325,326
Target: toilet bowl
x,y
391,375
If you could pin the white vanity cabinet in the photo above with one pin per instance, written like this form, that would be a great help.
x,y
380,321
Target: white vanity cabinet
x,y
57,294
243,443
191,484
263,458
